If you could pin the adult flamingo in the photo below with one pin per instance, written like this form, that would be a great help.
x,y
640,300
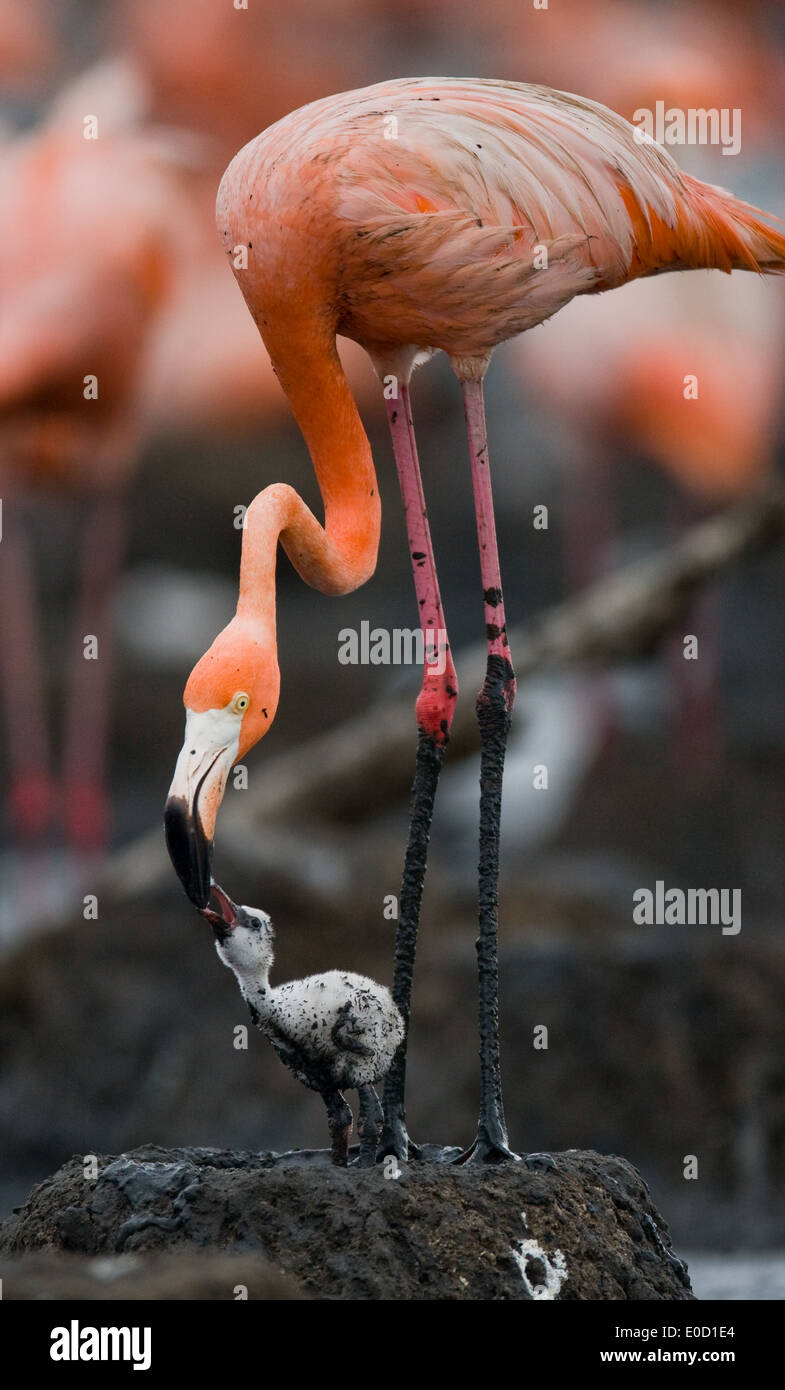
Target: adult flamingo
x,y
411,216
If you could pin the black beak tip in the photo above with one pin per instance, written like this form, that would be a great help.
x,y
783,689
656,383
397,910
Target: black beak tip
x,y
189,850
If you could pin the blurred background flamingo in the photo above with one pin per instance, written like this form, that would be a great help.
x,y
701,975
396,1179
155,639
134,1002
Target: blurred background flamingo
x,y
85,266
205,66
28,47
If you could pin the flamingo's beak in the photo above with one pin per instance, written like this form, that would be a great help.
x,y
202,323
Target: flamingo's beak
x,y
195,795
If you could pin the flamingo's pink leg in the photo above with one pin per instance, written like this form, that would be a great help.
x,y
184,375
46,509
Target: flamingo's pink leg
x,y
31,794
494,709
87,716
435,707
436,702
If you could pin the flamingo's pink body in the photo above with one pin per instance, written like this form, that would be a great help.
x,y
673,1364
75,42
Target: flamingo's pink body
x,y
407,215
417,215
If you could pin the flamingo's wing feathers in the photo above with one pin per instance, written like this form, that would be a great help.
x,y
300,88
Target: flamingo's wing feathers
x,y
455,213
498,200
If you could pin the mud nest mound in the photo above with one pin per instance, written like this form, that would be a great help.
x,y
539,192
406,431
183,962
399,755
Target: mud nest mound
x,y
574,1225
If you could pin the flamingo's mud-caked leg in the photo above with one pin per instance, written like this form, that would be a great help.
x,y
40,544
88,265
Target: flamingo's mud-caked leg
x,y
435,707
87,716
369,1125
339,1119
31,796
494,708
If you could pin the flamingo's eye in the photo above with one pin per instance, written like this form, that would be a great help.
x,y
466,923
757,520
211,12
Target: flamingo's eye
x,y
240,702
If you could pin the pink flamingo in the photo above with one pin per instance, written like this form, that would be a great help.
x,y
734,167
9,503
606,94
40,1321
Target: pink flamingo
x,y
418,215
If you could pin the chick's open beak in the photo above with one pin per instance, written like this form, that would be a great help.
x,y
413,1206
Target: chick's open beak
x,y
226,917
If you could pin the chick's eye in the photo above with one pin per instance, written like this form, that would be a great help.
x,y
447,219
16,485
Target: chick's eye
x,y
240,702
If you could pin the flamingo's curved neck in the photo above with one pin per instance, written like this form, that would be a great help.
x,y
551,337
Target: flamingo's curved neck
x,y
341,555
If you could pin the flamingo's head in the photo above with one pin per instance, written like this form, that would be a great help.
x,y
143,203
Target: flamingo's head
x,y
230,702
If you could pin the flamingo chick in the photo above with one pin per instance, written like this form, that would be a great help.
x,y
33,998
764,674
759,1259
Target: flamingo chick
x,y
334,1032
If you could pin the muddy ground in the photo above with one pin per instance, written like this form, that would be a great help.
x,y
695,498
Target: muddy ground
x,y
184,1276
578,1225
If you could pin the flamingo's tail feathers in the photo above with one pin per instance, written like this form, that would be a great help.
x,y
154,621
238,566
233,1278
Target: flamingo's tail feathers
x,y
734,235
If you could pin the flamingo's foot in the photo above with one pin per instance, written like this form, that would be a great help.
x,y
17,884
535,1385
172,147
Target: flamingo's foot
x,y
87,817
395,1140
490,1146
31,802
481,1151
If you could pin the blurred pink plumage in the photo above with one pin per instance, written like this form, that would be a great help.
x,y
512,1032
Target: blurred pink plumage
x,y
86,242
